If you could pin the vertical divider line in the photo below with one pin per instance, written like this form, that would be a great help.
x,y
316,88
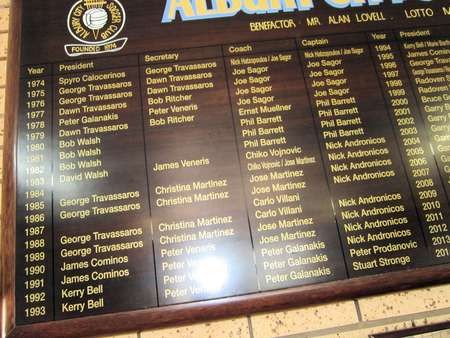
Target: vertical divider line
x,y
240,165
16,152
316,131
147,175
52,153
16,184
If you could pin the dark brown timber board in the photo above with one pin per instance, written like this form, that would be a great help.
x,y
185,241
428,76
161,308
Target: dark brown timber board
x,y
7,267
168,315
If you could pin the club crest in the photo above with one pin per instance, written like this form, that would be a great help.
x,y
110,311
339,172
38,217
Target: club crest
x,y
96,24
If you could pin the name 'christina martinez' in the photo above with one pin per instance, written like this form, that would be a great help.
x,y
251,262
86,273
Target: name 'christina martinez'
x,y
209,9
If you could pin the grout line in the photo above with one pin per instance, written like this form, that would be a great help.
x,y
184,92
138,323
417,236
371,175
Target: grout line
x,y
371,323
250,327
358,310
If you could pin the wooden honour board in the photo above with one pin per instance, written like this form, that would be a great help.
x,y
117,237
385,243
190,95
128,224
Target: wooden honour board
x,y
161,170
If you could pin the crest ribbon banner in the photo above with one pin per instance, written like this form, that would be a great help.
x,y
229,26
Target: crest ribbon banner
x,y
107,47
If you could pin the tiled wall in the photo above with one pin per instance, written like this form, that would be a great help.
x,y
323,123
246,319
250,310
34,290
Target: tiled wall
x,y
358,318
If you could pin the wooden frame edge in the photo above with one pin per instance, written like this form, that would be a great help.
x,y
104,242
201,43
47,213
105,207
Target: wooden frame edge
x,y
189,313
169,315
7,266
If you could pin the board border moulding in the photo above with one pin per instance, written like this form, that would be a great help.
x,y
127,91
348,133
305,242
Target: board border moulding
x,y
168,315
189,313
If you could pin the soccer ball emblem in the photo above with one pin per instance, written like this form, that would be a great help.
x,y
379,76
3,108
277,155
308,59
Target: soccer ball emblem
x,y
95,18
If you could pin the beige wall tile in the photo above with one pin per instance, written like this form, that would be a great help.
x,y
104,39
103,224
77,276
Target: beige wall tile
x,y
129,335
5,3
3,45
1,165
403,303
2,101
2,124
234,328
303,320
4,18
2,118
2,73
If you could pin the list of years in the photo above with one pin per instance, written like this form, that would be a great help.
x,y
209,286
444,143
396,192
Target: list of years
x,y
195,174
